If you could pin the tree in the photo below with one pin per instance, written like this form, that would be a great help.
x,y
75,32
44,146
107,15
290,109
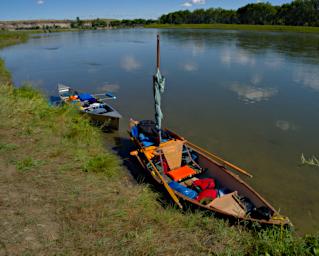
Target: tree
x,y
77,23
259,14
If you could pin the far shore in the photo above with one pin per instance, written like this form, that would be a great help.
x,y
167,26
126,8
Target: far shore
x,y
276,28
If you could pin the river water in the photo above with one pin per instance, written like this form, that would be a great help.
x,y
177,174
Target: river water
x,y
250,97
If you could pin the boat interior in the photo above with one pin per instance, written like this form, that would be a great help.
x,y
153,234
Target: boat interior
x,y
197,178
88,103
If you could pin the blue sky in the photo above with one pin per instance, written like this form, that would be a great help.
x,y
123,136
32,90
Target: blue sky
x,y
119,9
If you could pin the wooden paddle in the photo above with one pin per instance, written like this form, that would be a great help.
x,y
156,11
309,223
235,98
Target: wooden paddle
x,y
222,161
168,188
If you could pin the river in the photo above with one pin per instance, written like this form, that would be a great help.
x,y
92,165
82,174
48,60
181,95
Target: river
x,y
250,97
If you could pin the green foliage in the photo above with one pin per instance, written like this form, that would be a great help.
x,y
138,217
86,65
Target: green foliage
x,y
131,23
99,23
296,13
257,14
78,23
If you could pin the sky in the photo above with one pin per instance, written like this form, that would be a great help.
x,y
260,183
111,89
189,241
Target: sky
x,y
117,9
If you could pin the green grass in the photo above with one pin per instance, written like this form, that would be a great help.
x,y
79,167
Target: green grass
x,y
8,38
28,164
278,28
5,76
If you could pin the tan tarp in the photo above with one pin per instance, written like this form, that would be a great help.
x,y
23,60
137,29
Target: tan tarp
x,y
173,153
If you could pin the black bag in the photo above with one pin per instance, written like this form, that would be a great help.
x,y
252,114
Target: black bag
x,y
262,212
148,128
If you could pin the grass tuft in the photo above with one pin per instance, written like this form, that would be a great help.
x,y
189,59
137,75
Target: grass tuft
x,y
103,163
28,164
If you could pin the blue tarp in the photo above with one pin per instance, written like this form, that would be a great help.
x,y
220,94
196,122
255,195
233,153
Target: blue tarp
x,y
182,189
86,96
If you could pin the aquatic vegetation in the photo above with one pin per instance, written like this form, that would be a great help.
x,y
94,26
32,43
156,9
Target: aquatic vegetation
x,y
312,161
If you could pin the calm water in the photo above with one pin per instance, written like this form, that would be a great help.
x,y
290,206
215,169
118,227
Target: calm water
x,y
252,98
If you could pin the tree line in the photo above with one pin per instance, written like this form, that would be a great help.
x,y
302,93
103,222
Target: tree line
x,y
296,13
102,23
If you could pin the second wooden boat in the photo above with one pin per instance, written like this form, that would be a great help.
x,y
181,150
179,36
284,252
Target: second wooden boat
x,y
98,110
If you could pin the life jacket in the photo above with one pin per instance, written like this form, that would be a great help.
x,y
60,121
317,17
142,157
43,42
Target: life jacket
x,y
207,195
203,184
73,97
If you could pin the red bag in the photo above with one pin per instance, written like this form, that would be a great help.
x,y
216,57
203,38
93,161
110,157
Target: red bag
x,y
208,194
203,184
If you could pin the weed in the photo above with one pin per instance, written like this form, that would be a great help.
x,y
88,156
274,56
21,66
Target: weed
x,y
28,164
8,147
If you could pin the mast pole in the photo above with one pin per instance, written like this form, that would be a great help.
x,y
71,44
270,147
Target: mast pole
x,y
158,52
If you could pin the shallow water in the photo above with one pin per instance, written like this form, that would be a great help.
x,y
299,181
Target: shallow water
x,y
251,97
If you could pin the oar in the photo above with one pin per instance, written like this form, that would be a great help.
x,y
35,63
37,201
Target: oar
x,y
221,160
108,94
168,188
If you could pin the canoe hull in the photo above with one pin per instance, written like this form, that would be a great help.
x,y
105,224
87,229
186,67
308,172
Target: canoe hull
x,y
110,122
228,178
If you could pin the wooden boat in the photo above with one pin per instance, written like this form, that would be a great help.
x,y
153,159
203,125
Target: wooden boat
x,y
201,165
98,110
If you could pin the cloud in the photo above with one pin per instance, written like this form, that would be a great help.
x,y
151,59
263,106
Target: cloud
x,y
285,125
307,76
251,94
193,2
129,63
237,57
190,67
198,1
256,79
274,63
109,87
40,2
187,4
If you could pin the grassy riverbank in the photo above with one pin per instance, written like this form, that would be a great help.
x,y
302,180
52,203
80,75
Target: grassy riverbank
x,y
62,192
275,28
8,38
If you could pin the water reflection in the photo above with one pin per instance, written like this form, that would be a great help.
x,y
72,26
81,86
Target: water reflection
x,y
286,125
237,56
109,88
251,94
306,45
256,79
130,63
190,67
308,76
